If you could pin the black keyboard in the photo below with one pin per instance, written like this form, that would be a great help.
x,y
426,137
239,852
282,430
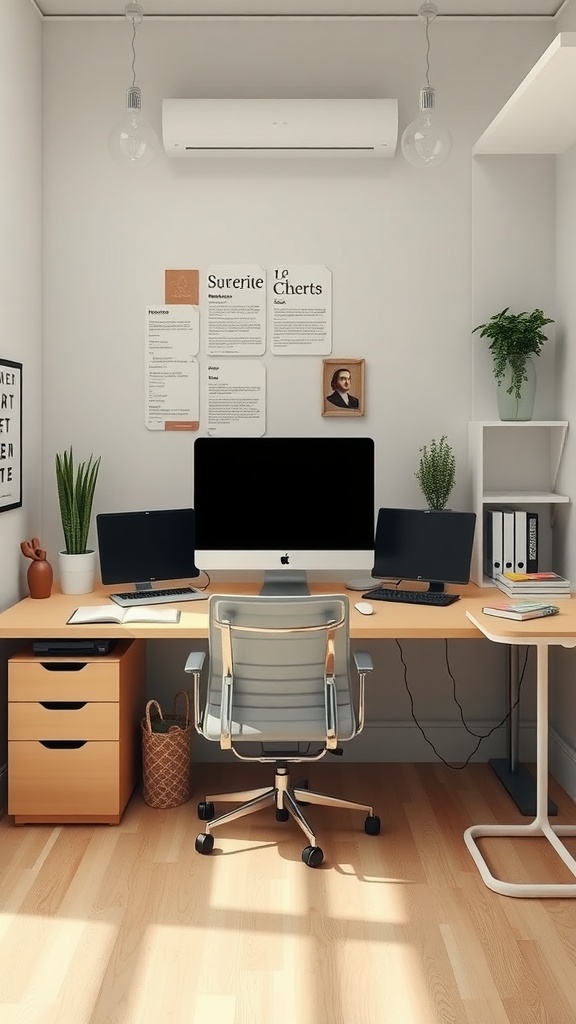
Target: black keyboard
x,y
144,597
429,597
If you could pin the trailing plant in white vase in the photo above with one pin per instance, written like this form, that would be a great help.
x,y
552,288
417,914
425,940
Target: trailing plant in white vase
x,y
515,338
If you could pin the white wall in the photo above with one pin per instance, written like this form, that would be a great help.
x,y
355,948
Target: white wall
x,y
398,242
20,285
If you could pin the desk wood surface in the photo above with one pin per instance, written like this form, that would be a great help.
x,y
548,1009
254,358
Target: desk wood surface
x,y
550,629
42,619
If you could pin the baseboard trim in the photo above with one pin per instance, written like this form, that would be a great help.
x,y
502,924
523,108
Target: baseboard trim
x,y
404,742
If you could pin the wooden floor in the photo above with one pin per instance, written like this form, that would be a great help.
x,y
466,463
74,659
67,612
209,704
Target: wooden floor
x,y
128,925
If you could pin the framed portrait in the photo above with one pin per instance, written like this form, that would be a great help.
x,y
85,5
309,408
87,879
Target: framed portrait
x,y
10,434
343,387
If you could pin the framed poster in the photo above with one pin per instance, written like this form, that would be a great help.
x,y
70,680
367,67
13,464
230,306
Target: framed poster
x,y
10,434
343,387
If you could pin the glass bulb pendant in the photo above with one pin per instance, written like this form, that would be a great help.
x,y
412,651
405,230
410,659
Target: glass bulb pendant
x,y
426,142
133,140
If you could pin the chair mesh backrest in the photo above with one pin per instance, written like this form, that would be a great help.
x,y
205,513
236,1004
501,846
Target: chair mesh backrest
x,y
279,671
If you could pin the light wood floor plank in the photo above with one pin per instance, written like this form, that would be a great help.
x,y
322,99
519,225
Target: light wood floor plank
x,y
129,925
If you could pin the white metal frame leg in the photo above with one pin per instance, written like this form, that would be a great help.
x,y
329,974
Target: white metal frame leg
x,y
540,826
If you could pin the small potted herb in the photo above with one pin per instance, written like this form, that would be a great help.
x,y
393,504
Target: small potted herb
x,y
437,472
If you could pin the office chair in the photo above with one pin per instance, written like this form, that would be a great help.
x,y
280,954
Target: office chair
x,y
279,677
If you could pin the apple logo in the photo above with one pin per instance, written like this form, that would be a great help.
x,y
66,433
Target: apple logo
x,y
285,560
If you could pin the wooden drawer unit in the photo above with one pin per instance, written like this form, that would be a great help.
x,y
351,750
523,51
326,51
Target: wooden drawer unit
x,y
74,734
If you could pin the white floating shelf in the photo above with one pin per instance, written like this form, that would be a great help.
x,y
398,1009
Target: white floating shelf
x,y
523,498
539,116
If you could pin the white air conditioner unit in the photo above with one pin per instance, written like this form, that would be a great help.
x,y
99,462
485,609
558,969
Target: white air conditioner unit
x,y
241,127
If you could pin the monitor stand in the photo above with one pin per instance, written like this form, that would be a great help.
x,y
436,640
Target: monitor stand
x,y
366,584
278,583
436,587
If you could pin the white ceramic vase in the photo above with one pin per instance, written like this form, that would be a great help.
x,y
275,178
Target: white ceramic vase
x,y
77,572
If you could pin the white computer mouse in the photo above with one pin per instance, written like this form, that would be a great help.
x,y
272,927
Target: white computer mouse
x,y
364,607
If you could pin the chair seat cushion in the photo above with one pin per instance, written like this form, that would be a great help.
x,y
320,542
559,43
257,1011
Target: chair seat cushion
x,y
263,726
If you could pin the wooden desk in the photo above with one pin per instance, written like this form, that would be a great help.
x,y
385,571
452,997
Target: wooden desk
x,y
41,619
543,633
464,619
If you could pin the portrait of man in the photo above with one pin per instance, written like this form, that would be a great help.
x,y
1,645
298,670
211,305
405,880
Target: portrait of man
x,y
341,383
343,387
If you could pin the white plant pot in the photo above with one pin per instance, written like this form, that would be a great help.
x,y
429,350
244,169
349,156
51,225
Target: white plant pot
x,y
77,572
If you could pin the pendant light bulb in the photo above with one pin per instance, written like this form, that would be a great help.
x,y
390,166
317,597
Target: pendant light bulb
x,y
426,142
133,141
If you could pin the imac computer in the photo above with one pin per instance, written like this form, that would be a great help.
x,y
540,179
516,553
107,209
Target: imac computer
x,y
143,547
285,506
422,544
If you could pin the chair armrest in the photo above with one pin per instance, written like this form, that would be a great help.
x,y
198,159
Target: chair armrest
x,y
362,661
195,661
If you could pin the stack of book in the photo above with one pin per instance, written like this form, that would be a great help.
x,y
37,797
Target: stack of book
x,y
521,610
529,586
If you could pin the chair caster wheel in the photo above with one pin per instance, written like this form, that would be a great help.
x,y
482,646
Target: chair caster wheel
x,y
282,814
204,843
206,810
312,856
372,825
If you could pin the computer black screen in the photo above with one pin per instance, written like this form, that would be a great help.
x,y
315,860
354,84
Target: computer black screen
x,y
141,547
421,544
284,504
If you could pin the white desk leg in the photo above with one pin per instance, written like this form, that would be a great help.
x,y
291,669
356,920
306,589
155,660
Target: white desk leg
x,y
540,826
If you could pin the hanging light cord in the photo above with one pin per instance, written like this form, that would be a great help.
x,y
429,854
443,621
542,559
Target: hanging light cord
x,y
134,13
133,20
428,51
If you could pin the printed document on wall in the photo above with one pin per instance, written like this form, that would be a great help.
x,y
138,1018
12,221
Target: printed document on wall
x,y
301,301
236,397
171,371
236,310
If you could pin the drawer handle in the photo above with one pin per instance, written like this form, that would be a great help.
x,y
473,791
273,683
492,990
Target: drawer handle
x,y
63,705
63,744
63,666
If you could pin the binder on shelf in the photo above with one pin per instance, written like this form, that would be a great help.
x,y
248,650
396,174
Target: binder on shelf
x,y
520,539
508,539
531,542
493,540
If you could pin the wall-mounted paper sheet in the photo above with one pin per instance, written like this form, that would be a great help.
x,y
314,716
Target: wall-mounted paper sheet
x,y
236,393
172,377
301,302
235,310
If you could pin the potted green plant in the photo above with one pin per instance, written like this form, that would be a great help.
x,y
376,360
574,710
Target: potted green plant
x,y
437,472
515,338
76,486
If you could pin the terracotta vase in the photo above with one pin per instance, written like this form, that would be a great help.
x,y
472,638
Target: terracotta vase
x,y
40,578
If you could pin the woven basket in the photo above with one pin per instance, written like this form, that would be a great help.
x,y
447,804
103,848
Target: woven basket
x,y
166,755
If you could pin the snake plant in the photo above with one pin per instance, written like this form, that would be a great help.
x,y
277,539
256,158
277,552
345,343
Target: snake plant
x,y
76,495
